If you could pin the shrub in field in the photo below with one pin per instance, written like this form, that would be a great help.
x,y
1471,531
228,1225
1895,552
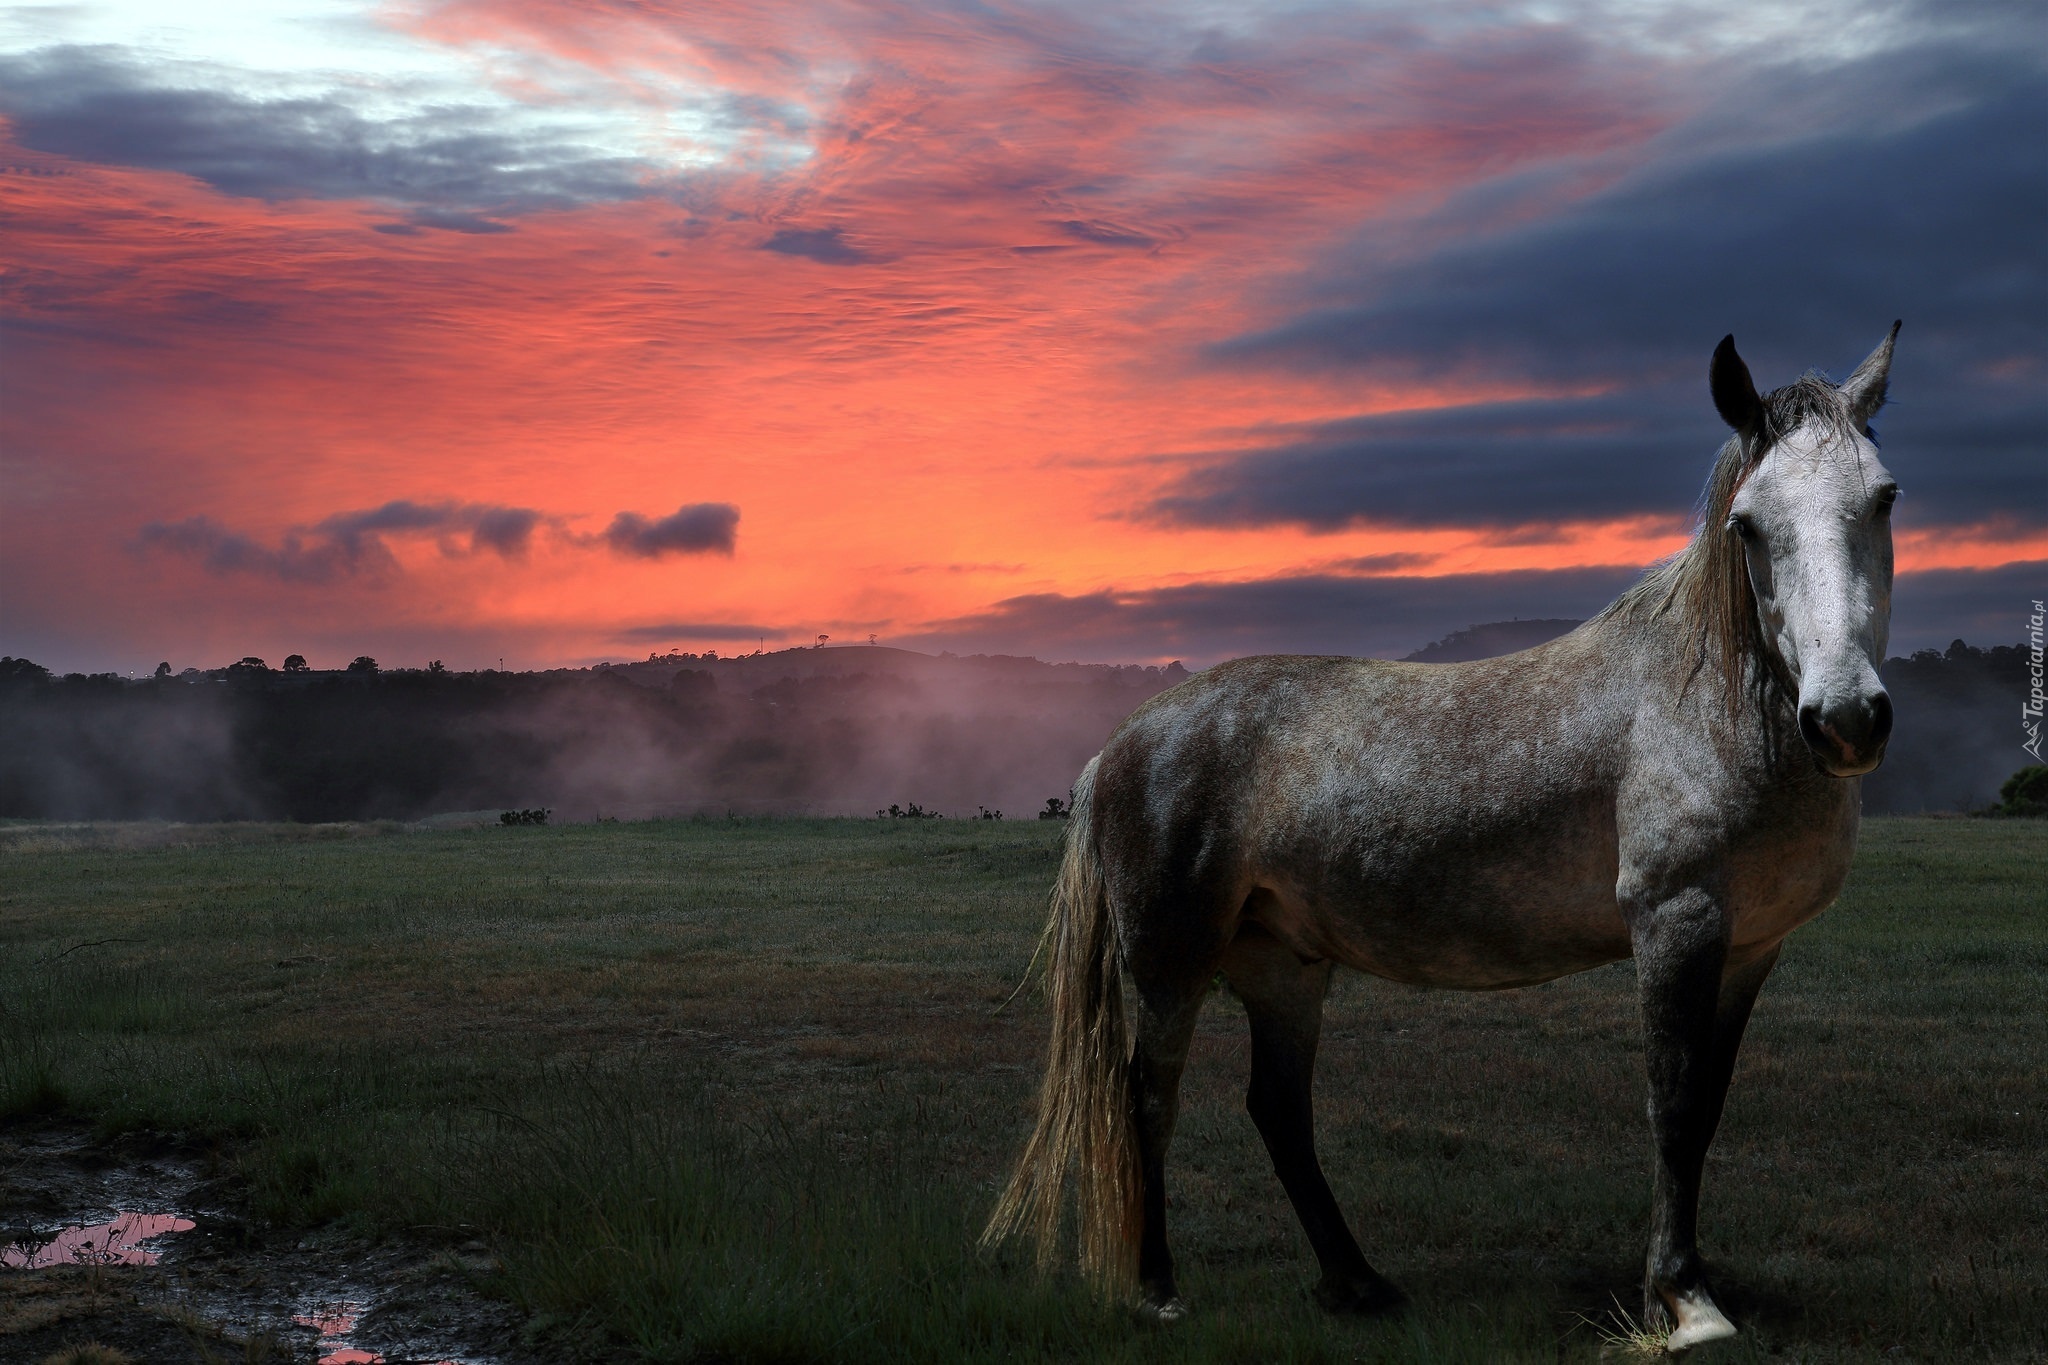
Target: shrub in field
x,y
1056,809
913,811
524,817
2025,793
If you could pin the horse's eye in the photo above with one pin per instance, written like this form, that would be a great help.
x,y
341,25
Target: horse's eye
x,y
1885,498
1740,525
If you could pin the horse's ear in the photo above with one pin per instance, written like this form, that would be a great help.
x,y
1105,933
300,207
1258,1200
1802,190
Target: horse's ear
x,y
1734,391
1864,390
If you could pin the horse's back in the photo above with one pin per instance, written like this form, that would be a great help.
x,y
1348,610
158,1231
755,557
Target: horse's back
x,y
1442,824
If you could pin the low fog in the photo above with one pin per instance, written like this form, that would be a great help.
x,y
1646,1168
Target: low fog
x,y
825,732
845,731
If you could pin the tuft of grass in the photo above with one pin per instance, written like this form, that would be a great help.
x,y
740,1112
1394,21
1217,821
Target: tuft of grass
x,y
1622,1337
88,1353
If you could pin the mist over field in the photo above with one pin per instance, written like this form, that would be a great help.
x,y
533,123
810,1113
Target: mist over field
x,y
848,731
831,732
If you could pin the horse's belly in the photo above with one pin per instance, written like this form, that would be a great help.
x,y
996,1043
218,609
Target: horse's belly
x,y
1488,928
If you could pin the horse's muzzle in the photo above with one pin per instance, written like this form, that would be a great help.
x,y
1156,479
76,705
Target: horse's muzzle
x,y
1849,740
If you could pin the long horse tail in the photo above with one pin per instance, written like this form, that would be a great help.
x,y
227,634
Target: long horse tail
x,y
1085,1124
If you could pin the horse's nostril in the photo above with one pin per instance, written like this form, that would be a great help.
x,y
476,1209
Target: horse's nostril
x,y
1880,719
1809,730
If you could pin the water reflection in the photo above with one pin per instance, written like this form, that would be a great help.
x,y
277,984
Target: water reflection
x,y
330,1319
334,1320
121,1241
115,1242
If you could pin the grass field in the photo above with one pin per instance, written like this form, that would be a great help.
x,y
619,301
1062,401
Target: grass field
x,y
736,1090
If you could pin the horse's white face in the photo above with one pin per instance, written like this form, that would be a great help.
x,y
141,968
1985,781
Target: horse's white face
x,y
1815,522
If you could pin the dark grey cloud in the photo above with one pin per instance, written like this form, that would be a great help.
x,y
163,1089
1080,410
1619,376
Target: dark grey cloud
x,y
1983,606
1922,198
1493,464
294,560
694,528
347,544
1205,623
825,245
1321,613
506,530
109,105
352,544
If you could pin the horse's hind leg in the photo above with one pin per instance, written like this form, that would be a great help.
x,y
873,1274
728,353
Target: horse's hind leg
x,y
1168,1004
1283,1000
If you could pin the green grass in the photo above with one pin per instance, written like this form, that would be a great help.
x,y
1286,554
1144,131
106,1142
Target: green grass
x,y
736,1090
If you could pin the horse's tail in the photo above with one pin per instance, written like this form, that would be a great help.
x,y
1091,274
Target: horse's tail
x,y
1084,1105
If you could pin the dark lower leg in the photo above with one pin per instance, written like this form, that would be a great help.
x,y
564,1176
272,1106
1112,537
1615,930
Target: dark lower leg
x,y
1283,1000
1280,1104
1695,1007
1156,1065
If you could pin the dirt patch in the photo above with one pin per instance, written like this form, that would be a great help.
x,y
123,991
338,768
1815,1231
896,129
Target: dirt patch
x,y
143,1244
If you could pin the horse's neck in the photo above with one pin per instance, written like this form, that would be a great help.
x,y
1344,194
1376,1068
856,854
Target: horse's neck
x,y
1756,732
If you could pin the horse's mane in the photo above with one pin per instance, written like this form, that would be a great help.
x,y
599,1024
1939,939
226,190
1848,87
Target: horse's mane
x,y
1706,585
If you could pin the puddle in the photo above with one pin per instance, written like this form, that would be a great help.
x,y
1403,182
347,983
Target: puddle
x,y
118,1241
179,1274
335,1321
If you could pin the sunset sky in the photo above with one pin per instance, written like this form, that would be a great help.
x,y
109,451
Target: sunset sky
x,y
566,330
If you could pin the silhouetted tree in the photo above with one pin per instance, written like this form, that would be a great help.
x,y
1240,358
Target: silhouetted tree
x,y
251,663
293,663
22,672
163,670
2025,793
437,667
363,663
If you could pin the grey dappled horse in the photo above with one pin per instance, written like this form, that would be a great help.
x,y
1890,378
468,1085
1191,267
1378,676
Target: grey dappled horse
x,y
1674,780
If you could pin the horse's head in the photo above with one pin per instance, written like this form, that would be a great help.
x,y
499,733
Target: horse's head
x,y
1813,517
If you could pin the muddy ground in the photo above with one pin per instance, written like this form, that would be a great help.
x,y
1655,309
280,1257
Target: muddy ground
x,y
223,1288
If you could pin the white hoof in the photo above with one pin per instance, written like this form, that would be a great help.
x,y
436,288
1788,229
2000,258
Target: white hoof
x,y
1699,1322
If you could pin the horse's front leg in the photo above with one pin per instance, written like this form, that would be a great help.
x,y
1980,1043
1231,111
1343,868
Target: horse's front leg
x,y
1695,1001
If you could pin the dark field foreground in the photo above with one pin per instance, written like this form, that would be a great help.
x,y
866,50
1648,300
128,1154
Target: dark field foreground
x,y
735,1091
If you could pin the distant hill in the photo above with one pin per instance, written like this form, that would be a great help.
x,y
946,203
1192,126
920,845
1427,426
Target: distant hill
x,y
818,731
823,731
1489,641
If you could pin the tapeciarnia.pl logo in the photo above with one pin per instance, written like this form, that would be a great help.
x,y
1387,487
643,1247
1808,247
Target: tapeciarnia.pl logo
x,y
2030,712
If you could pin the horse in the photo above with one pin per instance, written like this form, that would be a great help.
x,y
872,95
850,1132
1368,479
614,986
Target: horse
x,y
1676,780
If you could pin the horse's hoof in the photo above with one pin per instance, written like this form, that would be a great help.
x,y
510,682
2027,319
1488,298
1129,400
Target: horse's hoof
x,y
1165,1311
1358,1296
1700,1321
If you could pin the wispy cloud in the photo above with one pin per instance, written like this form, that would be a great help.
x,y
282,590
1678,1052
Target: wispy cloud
x,y
347,544
352,545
